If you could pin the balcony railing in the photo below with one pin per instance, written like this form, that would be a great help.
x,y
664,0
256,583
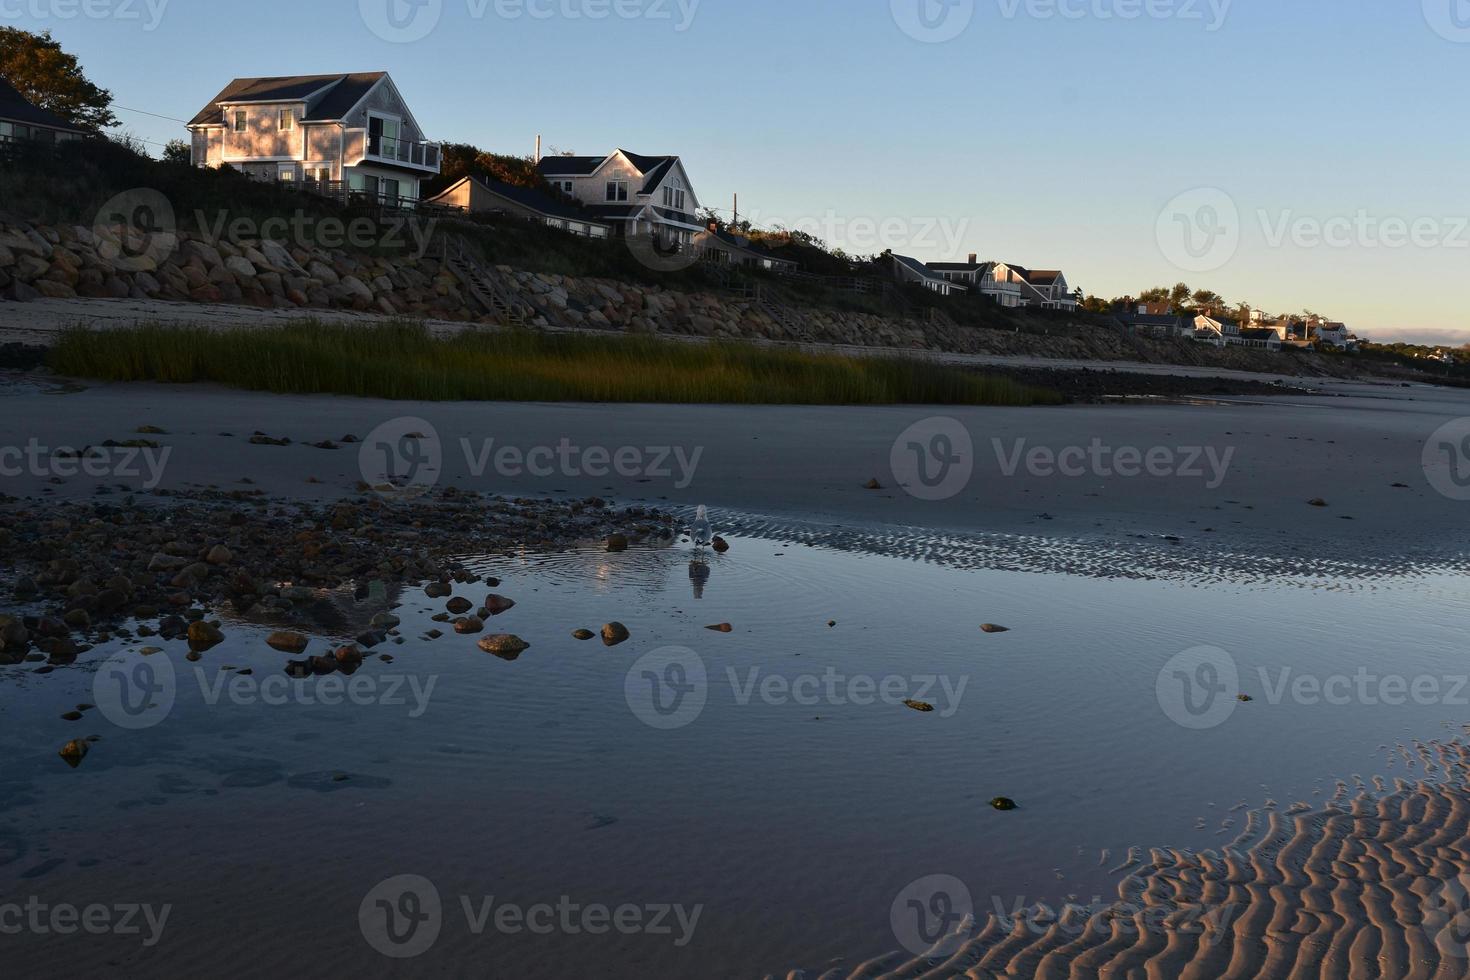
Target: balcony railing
x,y
408,152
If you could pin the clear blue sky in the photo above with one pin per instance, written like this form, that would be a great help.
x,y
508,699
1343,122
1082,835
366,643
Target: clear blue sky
x,y
1034,137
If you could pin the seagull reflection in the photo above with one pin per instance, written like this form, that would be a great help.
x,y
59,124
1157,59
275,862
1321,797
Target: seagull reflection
x,y
698,576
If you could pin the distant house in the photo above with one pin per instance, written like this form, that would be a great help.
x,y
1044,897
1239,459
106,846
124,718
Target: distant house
x,y
910,270
1261,337
979,277
349,132
1046,289
717,244
1219,331
22,122
482,195
1163,326
635,194
1334,335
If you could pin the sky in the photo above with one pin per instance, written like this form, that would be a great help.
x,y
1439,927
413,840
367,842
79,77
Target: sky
x,y
1292,154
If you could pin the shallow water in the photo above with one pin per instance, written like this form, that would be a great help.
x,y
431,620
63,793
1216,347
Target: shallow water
x,y
790,811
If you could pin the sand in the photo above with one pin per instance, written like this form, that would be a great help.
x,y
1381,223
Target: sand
x,y
1348,447
1372,886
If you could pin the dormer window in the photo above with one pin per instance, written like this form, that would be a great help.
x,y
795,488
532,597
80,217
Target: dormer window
x,y
240,121
617,190
286,120
674,197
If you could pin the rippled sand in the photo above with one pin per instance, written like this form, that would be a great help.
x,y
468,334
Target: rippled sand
x,y
1374,885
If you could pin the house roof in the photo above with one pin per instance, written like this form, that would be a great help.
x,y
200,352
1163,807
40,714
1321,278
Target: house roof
x,y
979,267
1038,277
328,97
15,107
920,269
1259,333
743,244
529,197
653,169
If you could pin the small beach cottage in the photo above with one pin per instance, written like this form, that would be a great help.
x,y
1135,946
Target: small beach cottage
x,y
351,133
20,121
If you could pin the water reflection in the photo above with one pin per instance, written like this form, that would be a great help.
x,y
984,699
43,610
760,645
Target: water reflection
x,y
699,576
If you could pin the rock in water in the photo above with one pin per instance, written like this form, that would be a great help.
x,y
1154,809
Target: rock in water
x,y
468,626
921,706
507,646
459,605
992,628
617,542
615,633
583,634
721,628
74,752
1003,803
287,642
497,604
204,636
721,545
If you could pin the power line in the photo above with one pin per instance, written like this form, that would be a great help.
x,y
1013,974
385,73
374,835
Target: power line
x,y
145,112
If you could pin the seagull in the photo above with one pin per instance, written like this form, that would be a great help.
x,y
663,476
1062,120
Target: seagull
x,y
701,532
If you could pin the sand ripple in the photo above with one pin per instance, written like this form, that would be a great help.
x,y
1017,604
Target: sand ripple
x,y
1372,886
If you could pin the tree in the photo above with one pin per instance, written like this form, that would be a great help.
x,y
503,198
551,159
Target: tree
x,y
52,79
177,151
459,160
1180,295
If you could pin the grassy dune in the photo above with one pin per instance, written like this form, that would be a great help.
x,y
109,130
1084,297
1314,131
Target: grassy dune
x,y
403,361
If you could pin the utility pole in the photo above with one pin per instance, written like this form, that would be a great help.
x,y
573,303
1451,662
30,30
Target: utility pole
x,y
736,212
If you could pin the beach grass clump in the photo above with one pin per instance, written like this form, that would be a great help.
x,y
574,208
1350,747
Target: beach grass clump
x,y
405,361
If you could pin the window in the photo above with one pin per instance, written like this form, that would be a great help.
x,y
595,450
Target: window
x,y
565,186
617,190
674,197
240,121
288,173
286,120
7,132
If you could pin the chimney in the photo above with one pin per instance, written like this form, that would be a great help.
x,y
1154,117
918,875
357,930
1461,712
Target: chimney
x,y
973,258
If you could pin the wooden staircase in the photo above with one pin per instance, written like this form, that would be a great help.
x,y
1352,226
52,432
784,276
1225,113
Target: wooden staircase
x,y
484,285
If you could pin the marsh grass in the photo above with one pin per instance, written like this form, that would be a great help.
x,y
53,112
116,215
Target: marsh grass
x,y
404,361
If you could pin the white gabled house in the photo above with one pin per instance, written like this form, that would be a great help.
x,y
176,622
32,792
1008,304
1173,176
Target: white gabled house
x,y
1047,289
979,277
635,194
351,133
